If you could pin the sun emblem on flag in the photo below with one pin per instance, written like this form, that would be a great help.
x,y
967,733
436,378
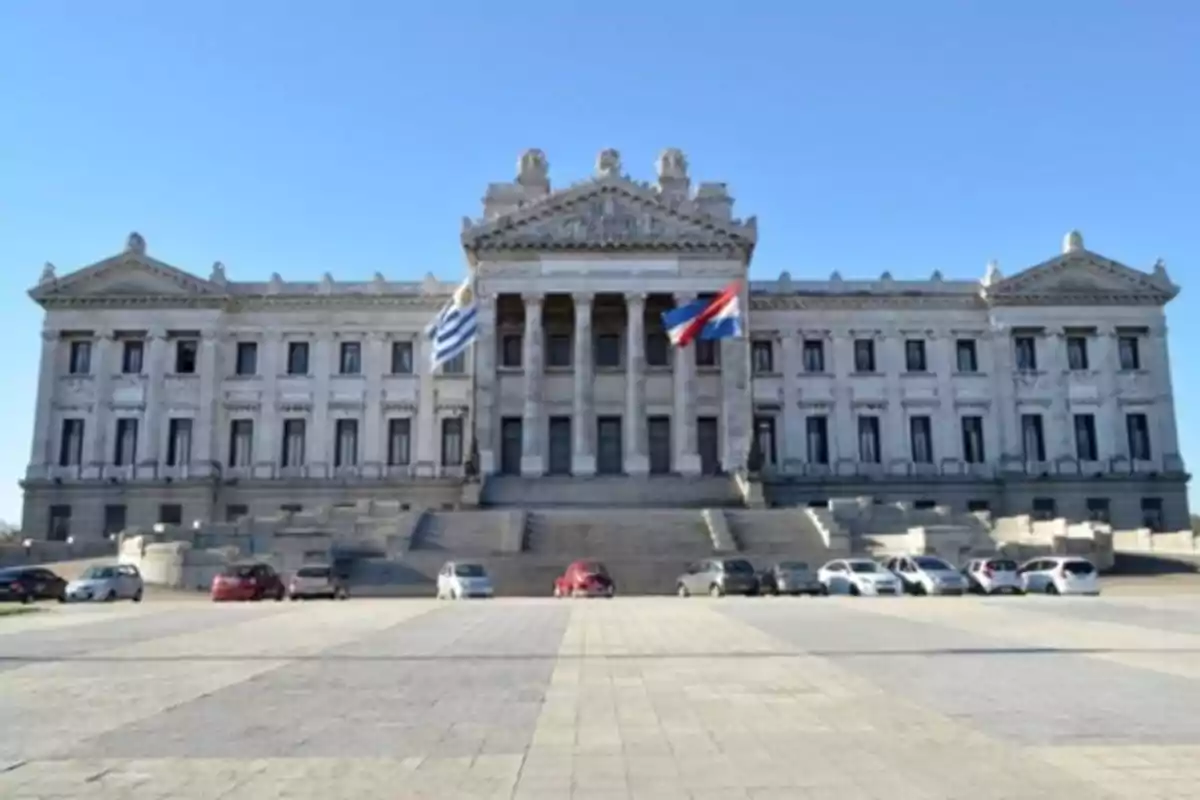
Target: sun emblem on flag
x,y
463,296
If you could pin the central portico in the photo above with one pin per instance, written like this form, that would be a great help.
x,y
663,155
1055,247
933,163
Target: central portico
x,y
574,373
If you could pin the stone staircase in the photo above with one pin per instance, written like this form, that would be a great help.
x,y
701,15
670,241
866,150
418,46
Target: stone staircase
x,y
887,529
617,533
610,491
460,533
780,533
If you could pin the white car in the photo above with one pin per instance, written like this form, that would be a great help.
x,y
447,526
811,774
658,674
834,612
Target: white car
x,y
857,576
107,583
927,575
1060,575
459,579
993,576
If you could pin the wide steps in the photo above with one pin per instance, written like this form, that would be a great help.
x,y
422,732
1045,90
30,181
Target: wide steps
x,y
611,491
777,532
460,533
616,533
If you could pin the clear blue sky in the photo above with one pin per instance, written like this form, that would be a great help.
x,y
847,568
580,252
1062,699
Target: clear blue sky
x,y
300,137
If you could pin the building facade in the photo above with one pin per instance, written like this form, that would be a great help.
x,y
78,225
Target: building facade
x,y
165,396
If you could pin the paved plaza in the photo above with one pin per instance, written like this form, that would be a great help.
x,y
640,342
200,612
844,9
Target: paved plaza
x,y
897,699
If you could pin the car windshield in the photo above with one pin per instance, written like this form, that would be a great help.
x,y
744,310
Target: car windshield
x,y
469,571
792,566
865,566
313,572
99,573
1003,565
1078,568
928,562
593,568
739,566
238,571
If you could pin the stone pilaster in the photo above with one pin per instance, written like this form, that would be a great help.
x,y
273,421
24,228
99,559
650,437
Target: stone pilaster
x,y
792,435
41,457
637,461
842,425
374,361
150,438
425,464
1058,429
687,453
321,442
202,428
1110,425
532,457
736,404
1007,445
484,402
96,433
946,430
891,359
583,456
272,364
1164,433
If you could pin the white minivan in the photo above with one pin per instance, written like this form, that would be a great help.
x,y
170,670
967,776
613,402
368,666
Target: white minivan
x,y
1059,575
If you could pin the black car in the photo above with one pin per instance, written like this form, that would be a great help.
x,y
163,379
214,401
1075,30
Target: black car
x,y
26,584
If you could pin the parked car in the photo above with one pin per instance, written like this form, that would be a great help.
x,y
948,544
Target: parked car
x,y
1060,575
459,579
717,577
26,584
788,577
106,583
858,576
248,581
993,576
317,580
585,579
922,575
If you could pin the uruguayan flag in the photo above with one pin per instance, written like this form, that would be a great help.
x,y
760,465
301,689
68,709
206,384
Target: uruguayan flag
x,y
454,328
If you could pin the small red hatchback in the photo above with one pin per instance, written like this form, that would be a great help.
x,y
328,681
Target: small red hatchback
x,y
585,579
248,581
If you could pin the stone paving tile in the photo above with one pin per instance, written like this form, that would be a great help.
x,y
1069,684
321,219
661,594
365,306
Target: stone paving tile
x,y
1138,616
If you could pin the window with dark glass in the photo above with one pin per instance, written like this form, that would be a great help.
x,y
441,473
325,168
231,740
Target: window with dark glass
x,y
607,351
80,362
70,446
1033,440
59,527
125,448
814,355
131,356
864,355
920,433
511,346
247,358
868,439
764,434
1152,514
186,351
707,353
350,358
1137,431
399,441
1077,353
1044,509
456,365
452,442
114,519
241,442
235,511
762,357
558,351
1085,437
1025,348
817,435
1129,351
294,434
658,349
1098,509
179,441
170,514
297,358
972,440
402,358
345,451
966,356
914,355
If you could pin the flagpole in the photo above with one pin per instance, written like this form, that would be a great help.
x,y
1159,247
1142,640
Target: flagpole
x,y
471,470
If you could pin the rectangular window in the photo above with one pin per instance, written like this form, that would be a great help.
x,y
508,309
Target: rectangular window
x,y
1098,509
1025,348
125,449
658,349
708,355
235,511
817,433
1152,514
864,355
814,355
350,358
977,506
186,351
345,453
1044,509
1033,440
297,358
295,432
179,442
114,519
247,358
764,435
966,356
607,351
868,439
70,445
452,442
1137,431
558,351
170,514
456,365
241,442
1077,353
1129,350
512,350
399,449
131,356
402,358
1085,437
914,355
972,440
762,357
81,358
920,431
59,527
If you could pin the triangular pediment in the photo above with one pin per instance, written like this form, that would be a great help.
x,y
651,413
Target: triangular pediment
x,y
127,276
1082,278
611,214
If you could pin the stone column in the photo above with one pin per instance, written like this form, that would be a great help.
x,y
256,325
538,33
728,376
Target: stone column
x,y
792,435
104,362
842,425
425,464
1110,426
637,461
736,405
687,452
374,360
150,439
202,429
320,465
1164,433
483,404
1058,429
532,458
272,364
583,458
1006,445
41,456
946,430
891,360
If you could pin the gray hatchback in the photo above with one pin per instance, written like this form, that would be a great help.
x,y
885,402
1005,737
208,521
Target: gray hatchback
x,y
717,577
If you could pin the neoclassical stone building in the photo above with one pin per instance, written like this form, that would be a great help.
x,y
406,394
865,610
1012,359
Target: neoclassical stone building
x,y
165,396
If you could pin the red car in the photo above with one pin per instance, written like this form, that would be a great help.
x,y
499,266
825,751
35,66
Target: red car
x,y
585,579
254,581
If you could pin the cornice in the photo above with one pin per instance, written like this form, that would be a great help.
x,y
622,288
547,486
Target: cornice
x,y
814,302
242,303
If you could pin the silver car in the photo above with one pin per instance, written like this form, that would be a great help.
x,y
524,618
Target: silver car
x,y
718,577
107,583
789,577
316,580
928,575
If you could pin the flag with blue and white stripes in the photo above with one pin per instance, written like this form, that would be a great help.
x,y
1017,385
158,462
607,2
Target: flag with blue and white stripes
x,y
454,328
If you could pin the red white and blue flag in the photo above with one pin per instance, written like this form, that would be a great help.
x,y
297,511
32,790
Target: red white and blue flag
x,y
719,317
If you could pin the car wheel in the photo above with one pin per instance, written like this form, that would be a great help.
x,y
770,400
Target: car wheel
x,y
682,591
715,591
824,590
342,594
454,594
558,591
1051,588
137,596
110,597
854,591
